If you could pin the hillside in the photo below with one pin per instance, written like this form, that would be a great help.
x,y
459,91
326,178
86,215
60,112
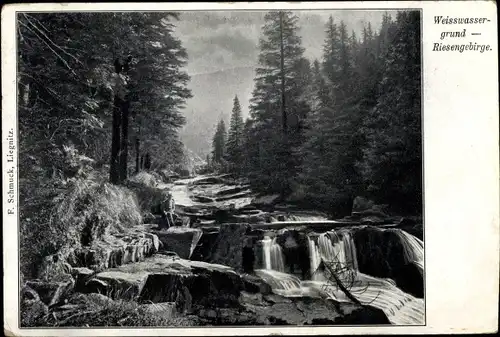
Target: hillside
x,y
213,95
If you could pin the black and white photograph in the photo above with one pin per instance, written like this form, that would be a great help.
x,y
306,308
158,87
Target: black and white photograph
x,y
220,168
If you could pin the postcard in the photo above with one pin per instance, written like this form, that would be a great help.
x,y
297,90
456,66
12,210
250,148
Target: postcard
x,y
250,168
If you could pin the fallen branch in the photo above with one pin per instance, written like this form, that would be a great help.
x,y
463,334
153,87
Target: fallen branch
x,y
340,284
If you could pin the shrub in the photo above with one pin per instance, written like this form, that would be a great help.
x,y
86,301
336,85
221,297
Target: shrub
x,y
88,210
144,185
144,178
94,310
84,212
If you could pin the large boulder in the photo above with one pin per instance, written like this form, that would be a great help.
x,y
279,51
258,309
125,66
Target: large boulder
x,y
206,244
295,248
228,249
119,284
161,279
81,275
381,253
111,250
182,240
255,285
115,251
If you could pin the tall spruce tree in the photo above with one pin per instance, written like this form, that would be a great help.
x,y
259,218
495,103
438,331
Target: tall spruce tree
x,y
156,89
328,170
219,142
278,107
234,146
392,160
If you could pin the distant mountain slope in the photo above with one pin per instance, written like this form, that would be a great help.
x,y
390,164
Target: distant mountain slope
x,y
213,95
193,160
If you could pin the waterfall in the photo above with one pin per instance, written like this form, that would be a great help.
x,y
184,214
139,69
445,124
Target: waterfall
x,y
279,280
399,307
272,255
337,249
315,259
413,248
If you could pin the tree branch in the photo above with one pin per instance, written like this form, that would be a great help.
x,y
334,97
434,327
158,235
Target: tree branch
x,y
53,43
52,49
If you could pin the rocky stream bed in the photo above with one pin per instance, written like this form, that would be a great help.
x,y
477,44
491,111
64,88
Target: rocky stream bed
x,y
245,260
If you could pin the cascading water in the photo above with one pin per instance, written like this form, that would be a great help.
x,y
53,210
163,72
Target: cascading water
x,y
341,253
337,250
315,260
272,255
413,248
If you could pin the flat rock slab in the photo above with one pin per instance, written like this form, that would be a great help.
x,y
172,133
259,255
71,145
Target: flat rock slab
x,y
275,309
181,240
320,225
114,249
162,279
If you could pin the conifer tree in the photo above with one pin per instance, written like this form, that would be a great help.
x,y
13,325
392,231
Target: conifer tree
x,y
234,146
219,142
278,107
392,158
331,149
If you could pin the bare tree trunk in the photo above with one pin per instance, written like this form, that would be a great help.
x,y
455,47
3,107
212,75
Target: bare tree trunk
x,y
147,161
137,155
114,170
124,141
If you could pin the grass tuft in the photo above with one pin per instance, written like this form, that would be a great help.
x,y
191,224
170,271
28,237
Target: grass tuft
x,y
95,310
145,186
84,212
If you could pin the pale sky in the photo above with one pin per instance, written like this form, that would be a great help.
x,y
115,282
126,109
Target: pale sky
x,y
222,40
217,40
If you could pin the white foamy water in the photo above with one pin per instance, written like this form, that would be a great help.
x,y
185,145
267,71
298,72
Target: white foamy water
x,y
314,260
400,308
413,248
272,255
337,249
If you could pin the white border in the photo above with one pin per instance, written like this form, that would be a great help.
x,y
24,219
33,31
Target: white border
x,y
460,104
